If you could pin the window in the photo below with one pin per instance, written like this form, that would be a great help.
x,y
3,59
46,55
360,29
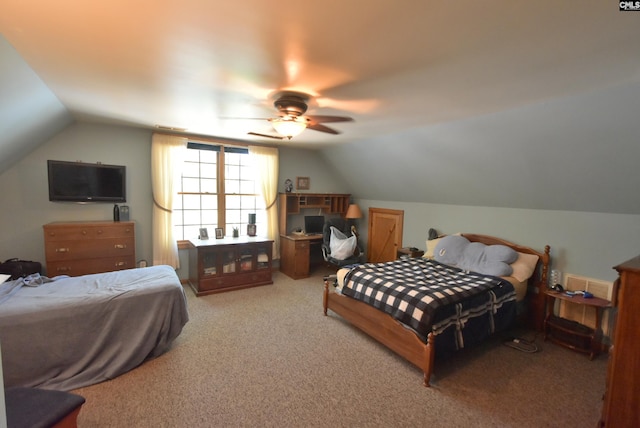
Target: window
x,y
218,188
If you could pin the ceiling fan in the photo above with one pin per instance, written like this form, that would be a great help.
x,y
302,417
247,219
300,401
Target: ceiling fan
x,y
291,120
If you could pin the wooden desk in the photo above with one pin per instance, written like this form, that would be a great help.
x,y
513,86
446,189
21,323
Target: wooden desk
x,y
295,254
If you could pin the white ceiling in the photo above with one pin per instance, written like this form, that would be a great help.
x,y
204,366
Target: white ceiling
x,y
391,65
490,103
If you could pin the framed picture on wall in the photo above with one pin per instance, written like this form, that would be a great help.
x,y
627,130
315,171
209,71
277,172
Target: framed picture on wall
x,y
302,183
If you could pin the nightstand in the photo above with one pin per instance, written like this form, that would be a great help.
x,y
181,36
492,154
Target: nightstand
x,y
572,334
410,252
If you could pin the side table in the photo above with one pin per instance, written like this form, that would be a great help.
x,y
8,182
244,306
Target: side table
x,y
572,334
410,252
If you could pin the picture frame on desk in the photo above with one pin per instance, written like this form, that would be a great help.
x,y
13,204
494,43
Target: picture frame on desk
x,y
219,233
203,233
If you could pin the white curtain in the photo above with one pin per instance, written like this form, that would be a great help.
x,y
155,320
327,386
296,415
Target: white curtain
x,y
167,154
266,161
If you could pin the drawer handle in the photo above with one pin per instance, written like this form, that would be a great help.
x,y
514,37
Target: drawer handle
x,y
120,264
120,246
62,250
84,232
100,232
63,269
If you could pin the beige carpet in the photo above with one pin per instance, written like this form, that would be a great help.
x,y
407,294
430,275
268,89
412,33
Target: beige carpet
x,y
267,356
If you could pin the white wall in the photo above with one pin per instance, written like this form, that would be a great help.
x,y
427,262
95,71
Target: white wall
x,y
587,244
25,198
25,194
582,243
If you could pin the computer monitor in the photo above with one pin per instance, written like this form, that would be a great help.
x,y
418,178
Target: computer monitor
x,y
313,224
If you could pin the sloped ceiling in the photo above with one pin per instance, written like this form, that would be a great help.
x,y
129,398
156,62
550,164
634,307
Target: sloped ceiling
x,y
29,113
493,103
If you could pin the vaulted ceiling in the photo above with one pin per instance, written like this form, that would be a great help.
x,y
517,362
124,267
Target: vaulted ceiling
x,y
493,103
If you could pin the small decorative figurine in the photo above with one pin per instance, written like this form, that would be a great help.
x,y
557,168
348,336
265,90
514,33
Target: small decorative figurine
x,y
288,185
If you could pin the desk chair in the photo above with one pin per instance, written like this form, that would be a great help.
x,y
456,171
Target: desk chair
x,y
342,225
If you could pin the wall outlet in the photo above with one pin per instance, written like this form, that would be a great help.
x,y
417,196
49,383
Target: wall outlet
x,y
556,277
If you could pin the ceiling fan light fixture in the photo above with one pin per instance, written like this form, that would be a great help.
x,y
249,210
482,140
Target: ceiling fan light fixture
x,y
289,126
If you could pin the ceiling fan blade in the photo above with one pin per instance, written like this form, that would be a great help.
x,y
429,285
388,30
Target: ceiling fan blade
x,y
328,119
322,128
244,118
277,137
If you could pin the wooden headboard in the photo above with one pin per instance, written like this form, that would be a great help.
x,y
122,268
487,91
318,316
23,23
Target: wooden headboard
x,y
536,284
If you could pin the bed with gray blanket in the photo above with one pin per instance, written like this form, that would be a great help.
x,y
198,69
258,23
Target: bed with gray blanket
x,y
68,332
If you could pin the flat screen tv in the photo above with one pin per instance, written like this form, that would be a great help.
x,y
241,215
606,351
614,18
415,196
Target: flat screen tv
x,y
86,182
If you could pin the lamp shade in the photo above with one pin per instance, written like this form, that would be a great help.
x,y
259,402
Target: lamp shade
x,y
289,126
353,211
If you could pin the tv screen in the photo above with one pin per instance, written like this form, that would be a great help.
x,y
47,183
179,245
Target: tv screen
x,y
313,224
86,182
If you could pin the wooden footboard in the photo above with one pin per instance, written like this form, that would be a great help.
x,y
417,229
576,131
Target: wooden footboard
x,y
384,329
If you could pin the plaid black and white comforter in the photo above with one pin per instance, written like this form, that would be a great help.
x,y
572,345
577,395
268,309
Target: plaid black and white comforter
x,y
429,296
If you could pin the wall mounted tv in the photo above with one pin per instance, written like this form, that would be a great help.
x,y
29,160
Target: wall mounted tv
x,y
86,182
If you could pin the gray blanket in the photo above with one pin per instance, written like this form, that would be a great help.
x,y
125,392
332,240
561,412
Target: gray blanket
x,y
77,331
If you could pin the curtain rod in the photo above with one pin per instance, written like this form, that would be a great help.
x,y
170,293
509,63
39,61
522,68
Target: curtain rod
x,y
219,140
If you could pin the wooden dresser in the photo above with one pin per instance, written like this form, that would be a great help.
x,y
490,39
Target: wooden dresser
x,y
80,248
621,407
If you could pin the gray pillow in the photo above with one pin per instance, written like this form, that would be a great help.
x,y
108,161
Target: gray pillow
x,y
474,256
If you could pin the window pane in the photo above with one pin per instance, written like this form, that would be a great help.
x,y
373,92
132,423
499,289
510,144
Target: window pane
x,y
232,186
233,202
191,202
191,217
209,202
232,172
208,217
233,217
208,185
192,156
191,232
190,185
247,187
207,156
208,171
190,169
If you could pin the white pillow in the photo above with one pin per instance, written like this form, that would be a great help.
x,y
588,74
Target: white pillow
x,y
431,246
341,247
524,266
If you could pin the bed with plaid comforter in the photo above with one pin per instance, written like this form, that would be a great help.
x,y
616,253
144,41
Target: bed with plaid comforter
x,y
459,307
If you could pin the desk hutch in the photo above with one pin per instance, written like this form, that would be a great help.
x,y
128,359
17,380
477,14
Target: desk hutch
x,y
295,250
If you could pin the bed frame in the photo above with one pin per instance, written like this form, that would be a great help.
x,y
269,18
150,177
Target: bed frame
x,y
404,341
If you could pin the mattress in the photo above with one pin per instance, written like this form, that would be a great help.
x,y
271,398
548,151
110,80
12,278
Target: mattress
x,y
77,331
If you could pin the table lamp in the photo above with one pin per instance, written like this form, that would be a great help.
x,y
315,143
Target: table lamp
x,y
353,212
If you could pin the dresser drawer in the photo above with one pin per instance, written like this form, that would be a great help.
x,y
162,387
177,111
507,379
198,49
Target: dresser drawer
x,y
88,249
80,248
88,266
65,232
